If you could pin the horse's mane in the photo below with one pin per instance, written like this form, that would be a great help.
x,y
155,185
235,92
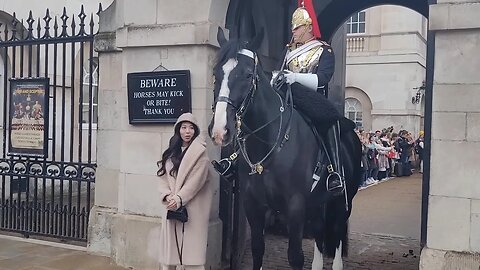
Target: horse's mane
x,y
227,51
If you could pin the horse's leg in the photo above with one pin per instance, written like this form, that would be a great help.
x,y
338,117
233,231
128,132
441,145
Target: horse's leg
x,y
317,263
296,219
339,231
256,219
337,261
318,227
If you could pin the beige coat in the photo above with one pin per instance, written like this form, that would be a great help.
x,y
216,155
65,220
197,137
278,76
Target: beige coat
x,y
192,185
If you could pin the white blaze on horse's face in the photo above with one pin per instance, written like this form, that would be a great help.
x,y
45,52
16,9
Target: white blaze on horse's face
x,y
220,121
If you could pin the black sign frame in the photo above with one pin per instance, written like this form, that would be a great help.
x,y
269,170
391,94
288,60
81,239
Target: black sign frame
x,y
138,104
34,85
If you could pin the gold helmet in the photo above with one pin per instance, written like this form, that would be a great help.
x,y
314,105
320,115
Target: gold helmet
x,y
305,15
300,17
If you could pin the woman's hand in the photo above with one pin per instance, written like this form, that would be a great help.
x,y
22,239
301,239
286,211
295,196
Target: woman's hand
x,y
172,204
166,199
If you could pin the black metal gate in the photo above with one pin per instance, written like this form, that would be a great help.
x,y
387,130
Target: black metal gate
x,y
51,195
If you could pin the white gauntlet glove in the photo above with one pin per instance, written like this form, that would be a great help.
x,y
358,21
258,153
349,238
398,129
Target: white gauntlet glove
x,y
274,77
306,79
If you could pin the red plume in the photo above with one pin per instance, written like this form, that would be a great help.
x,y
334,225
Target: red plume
x,y
308,4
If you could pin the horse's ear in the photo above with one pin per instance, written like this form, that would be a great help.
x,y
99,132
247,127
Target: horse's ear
x,y
221,37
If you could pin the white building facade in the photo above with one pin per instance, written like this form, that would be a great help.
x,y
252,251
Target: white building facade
x,y
386,53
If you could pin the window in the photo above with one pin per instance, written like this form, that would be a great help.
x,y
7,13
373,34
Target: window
x,y
353,111
90,101
356,23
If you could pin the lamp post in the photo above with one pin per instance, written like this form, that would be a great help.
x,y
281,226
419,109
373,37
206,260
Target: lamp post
x,y
420,93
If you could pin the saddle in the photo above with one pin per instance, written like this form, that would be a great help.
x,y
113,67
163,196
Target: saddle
x,y
314,107
320,114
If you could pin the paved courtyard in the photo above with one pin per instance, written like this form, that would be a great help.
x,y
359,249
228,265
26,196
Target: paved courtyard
x,y
384,231
385,228
22,255
367,252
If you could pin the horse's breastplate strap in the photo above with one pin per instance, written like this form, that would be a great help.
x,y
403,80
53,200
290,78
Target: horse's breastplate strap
x,y
307,61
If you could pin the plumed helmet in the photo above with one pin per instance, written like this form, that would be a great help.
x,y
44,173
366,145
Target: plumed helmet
x,y
300,17
305,15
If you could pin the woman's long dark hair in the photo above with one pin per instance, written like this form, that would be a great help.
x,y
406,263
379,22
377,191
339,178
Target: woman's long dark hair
x,y
174,151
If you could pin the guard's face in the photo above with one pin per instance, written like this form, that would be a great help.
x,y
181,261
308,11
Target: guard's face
x,y
302,33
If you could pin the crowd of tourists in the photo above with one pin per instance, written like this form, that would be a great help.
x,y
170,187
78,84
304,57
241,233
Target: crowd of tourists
x,y
386,154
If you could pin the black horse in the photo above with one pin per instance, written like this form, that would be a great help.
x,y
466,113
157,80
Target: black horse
x,y
277,156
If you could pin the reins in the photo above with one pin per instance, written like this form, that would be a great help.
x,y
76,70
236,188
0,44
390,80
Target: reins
x,y
243,132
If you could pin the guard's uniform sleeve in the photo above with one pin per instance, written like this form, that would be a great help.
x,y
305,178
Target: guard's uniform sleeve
x,y
326,66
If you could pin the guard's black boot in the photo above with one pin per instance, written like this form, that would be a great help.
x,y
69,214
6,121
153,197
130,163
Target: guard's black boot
x,y
335,179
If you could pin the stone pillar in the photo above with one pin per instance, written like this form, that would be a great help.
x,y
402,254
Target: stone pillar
x,y
336,90
453,228
143,36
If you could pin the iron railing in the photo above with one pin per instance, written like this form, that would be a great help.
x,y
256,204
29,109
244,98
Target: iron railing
x,y
52,196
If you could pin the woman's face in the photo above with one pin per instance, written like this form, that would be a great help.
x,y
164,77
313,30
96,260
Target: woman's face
x,y
186,132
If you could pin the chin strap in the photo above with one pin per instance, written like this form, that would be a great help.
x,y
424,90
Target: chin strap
x,y
308,80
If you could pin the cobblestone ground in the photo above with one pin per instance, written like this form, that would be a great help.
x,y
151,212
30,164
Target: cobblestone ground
x,y
366,252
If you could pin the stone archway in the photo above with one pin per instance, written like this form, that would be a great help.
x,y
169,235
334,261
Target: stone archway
x,y
451,125
333,13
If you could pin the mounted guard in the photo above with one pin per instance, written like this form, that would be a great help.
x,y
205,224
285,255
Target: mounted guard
x,y
307,68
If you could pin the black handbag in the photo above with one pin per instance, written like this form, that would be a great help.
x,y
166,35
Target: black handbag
x,y
180,214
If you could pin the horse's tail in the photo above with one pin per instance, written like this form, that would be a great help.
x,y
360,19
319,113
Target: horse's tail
x,y
336,227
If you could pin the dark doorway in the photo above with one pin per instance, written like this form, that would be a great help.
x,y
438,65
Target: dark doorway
x,y
246,17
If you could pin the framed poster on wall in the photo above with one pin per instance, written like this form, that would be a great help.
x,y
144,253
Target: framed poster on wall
x,y
28,117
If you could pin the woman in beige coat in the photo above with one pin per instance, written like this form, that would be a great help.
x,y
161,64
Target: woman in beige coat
x,y
184,180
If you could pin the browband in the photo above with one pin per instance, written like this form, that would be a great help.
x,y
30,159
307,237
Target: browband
x,y
247,53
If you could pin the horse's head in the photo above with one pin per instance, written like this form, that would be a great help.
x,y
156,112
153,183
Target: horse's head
x,y
235,75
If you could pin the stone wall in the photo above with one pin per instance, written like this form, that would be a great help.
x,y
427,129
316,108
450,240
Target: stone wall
x,y
390,90
124,222
453,236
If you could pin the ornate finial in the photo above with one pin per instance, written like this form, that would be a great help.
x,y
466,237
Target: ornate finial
x,y
64,18
22,30
39,28
14,27
55,28
30,22
92,24
6,32
73,24
82,17
100,9
47,20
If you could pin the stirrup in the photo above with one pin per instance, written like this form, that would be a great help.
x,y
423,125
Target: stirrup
x,y
338,188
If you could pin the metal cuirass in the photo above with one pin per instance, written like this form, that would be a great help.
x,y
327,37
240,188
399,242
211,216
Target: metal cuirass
x,y
307,61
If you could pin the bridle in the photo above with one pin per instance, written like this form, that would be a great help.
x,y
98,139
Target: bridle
x,y
240,111
243,132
